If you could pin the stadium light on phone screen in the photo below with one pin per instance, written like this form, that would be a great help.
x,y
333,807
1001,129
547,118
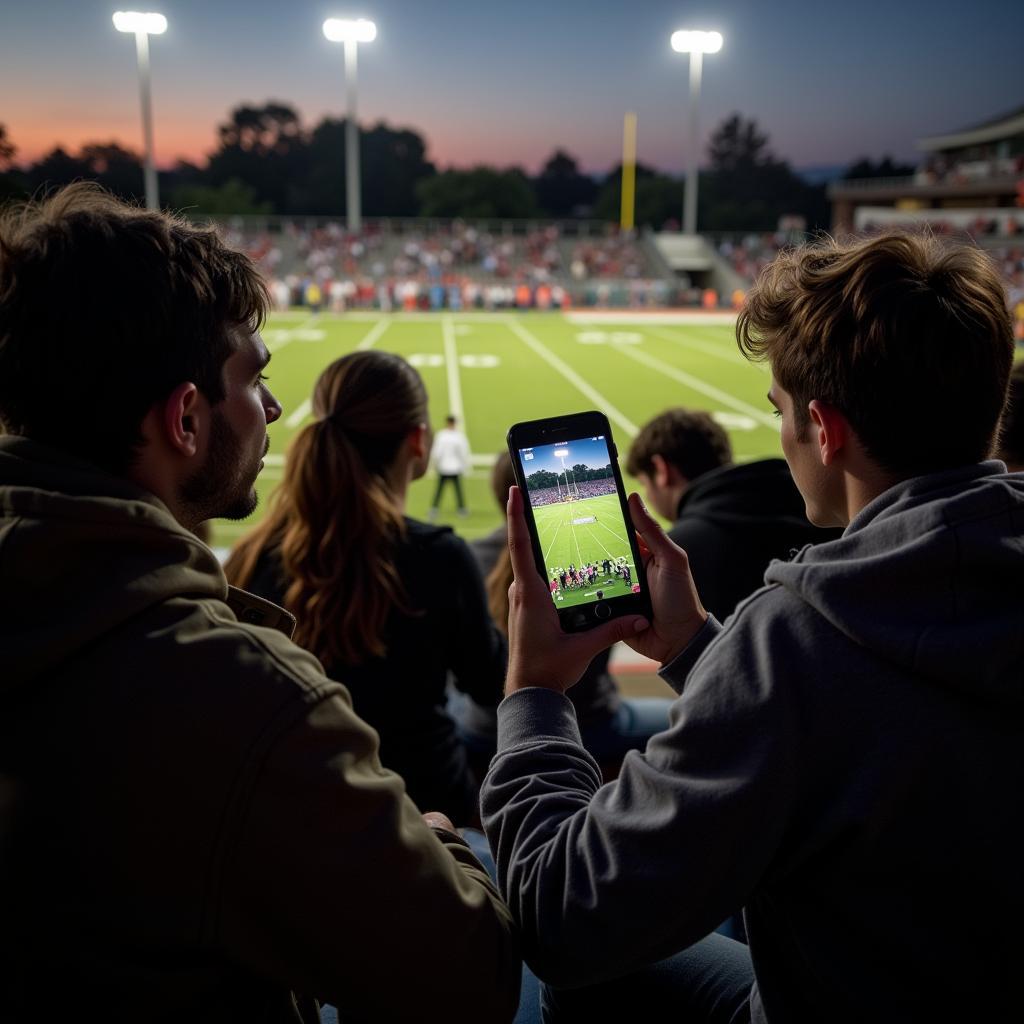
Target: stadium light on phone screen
x,y
351,32
696,44
144,25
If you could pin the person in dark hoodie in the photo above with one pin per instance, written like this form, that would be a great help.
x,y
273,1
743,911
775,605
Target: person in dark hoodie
x,y
731,520
194,824
846,757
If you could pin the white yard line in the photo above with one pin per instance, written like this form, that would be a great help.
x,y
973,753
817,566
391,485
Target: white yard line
x,y
302,410
595,396
451,364
547,553
762,417
374,334
579,554
301,325
597,541
708,347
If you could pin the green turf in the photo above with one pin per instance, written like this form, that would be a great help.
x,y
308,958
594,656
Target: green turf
x,y
565,542
520,367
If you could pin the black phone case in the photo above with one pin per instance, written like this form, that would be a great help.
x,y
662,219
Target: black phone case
x,y
531,433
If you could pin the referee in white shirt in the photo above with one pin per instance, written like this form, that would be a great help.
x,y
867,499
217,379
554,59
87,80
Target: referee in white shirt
x,y
450,455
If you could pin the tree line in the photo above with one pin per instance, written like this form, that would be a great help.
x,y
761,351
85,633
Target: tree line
x,y
542,478
268,162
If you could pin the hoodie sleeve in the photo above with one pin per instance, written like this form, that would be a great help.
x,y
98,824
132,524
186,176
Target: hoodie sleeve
x,y
605,879
333,884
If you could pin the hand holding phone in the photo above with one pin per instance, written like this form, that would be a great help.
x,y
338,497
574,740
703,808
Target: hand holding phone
x,y
539,652
677,611
583,543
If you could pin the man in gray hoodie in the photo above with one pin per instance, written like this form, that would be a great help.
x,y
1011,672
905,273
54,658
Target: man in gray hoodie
x,y
846,758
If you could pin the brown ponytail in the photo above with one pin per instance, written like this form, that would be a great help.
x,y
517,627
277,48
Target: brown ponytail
x,y
333,521
499,579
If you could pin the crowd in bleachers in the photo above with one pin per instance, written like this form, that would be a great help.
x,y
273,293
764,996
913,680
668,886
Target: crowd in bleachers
x,y
452,266
576,491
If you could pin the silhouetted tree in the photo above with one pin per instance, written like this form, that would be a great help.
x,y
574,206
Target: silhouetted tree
x,y
266,148
747,189
562,191
392,162
885,168
479,193
8,150
658,197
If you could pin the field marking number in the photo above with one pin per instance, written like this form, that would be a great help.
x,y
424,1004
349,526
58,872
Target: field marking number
x,y
609,338
734,420
470,362
279,335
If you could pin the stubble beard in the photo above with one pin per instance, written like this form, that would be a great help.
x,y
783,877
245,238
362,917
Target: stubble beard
x,y
222,488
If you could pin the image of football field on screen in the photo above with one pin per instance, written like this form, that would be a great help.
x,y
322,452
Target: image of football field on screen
x,y
584,540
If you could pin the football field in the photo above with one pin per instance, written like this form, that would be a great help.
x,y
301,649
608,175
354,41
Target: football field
x,y
578,533
494,369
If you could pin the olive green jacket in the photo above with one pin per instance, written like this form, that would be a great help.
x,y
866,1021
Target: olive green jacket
x,y
194,825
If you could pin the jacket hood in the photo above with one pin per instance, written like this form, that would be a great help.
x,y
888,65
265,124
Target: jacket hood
x,y
81,553
930,577
752,492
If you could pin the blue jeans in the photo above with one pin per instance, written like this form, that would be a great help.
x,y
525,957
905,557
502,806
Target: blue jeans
x,y
529,990
708,983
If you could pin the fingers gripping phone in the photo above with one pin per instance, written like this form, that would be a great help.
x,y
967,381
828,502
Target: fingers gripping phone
x,y
583,540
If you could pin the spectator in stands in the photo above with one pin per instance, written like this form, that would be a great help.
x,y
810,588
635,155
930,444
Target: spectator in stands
x,y
731,520
451,459
845,756
193,820
388,604
1011,432
610,724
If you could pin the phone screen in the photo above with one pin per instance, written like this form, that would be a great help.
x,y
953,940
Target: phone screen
x,y
583,537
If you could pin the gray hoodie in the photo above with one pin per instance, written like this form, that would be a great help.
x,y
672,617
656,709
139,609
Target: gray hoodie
x,y
845,761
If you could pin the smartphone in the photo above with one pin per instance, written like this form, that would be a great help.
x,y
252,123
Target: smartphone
x,y
583,540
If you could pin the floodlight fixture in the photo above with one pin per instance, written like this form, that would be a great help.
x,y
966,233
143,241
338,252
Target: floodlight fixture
x,y
351,32
137,21
695,44
561,453
687,41
343,30
143,25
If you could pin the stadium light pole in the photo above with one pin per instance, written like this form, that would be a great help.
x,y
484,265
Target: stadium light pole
x,y
351,33
560,454
144,25
696,44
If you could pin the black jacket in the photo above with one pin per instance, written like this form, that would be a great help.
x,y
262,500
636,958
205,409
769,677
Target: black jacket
x,y
733,521
402,695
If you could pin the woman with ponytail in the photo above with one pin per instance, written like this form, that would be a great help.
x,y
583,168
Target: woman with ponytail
x,y
388,604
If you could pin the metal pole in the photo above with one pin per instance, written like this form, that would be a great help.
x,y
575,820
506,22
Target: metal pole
x,y
142,53
352,190
690,202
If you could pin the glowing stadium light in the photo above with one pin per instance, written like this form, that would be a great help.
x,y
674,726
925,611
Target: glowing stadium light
x,y
136,21
696,44
561,453
343,30
351,33
144,25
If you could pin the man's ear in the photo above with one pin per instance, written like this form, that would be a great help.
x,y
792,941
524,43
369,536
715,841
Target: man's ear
x,y
182,419
662,474
831,430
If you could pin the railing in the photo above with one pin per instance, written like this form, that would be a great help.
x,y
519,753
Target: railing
x,y
406,226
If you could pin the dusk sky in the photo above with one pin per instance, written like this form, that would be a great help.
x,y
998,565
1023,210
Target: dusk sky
x,y
507,83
